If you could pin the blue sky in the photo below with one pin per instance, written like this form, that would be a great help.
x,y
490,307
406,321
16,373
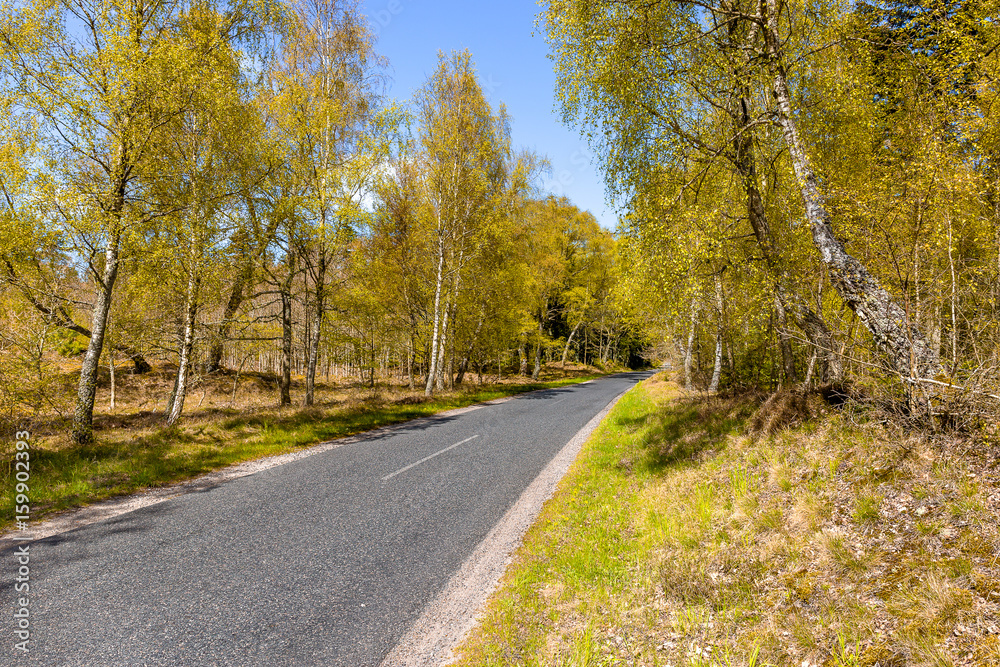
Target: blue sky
x,y
513,69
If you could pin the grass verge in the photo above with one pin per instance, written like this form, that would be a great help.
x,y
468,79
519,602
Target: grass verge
x,y
678,539
127,459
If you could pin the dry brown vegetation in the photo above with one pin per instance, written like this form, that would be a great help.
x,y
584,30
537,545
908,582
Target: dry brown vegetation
x,y
740,531
134,449
139,399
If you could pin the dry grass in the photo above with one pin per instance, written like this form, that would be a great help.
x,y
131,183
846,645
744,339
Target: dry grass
x,y
133,449
821,540
140,400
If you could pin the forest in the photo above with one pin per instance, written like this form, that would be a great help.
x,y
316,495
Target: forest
x,y
810,189
808,196
222,240
225,188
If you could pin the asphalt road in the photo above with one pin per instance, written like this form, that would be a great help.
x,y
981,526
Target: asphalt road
x,y
323,561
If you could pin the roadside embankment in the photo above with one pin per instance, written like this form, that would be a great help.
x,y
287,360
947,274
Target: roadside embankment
x,y
716,531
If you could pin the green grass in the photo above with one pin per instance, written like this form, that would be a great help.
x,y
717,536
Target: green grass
x,y
677,539
585,551
128,460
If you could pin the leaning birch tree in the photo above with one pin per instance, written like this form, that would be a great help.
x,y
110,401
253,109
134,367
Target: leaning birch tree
x,y
644,81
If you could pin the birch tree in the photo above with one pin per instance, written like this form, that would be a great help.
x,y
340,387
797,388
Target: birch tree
x,y
888,322
467,182
327,91
101,80
98,96
202,156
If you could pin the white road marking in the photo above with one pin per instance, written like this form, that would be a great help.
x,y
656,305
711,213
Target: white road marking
x,y
462,411
107,509
427,458
447,619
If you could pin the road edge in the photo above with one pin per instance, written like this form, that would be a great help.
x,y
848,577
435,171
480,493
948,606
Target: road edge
x,y
79,517
454,612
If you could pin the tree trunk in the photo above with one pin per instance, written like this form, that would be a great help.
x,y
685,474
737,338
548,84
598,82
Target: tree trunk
x,y
523,352
452,344
187,346
436,336
83,414
785,343
688,379
236,295
717,370
569,341
954,299
286,339
319,306
409,358
809,370
720,305
443,348
902,343
456,285
936,328
538,346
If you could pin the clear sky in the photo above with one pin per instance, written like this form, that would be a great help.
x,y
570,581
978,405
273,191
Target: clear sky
x,y
513,67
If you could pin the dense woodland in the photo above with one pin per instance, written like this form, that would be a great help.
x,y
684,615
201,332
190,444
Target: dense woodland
x,y
809,193
811,188
224,187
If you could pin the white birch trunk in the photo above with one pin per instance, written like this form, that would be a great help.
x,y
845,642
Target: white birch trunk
x,y
717,370
785,343
809,370
688,356
442,349
888,324
569,342
435,338
187,346
319,306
